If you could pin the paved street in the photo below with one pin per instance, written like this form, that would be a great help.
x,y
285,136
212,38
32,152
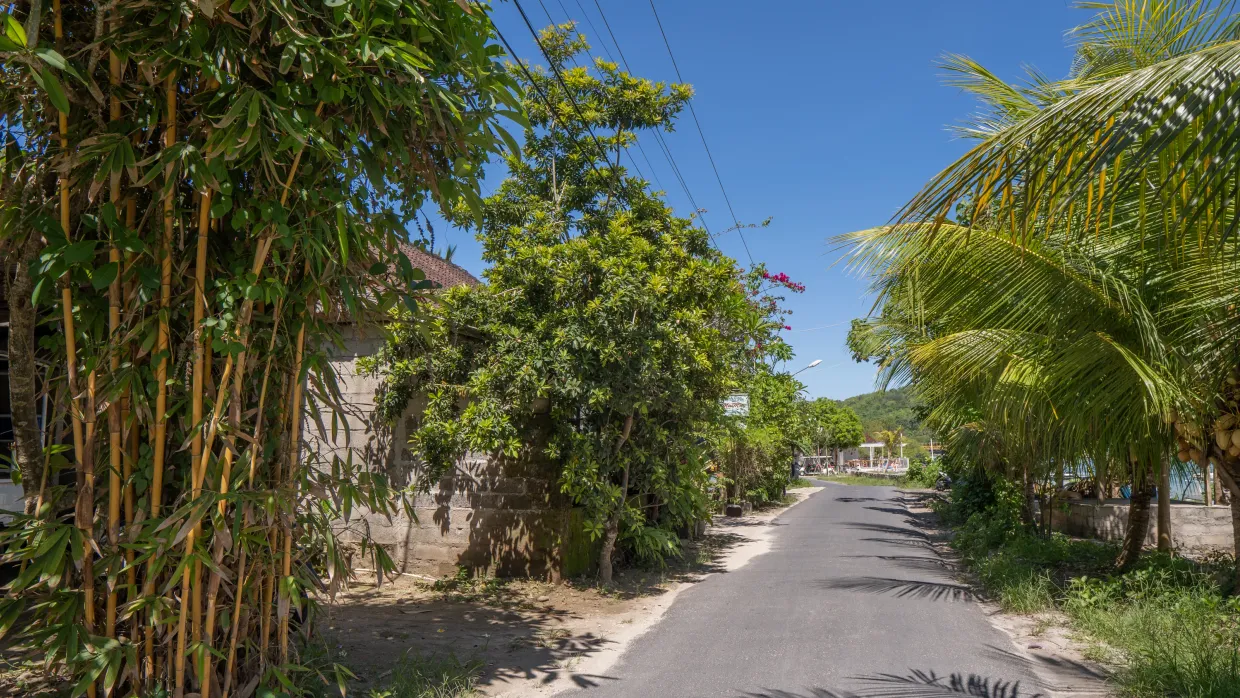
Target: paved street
x,y
850,601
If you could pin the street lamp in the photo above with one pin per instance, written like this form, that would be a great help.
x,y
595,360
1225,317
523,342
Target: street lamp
x,y
812,364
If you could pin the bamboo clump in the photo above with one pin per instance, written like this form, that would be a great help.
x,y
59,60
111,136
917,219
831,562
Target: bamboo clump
x,y
190,181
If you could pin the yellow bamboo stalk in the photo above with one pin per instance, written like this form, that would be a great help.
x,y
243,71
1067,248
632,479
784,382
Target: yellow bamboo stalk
x,y
191,595
161,369
293,460
114,365
236,615
130,456
83,518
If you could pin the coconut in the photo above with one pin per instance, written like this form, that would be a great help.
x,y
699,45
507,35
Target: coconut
x,y
1234,451
1222,439
1235,438
1183,456
1225,422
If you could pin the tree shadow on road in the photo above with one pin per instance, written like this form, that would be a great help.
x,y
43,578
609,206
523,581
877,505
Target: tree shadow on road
x,y
915,684
913,562
901,511
900,588
889,529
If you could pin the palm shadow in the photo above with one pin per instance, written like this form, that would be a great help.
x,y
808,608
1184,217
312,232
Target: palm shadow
x,y
901,588
889,529
912,562
890,510
915,684
928,684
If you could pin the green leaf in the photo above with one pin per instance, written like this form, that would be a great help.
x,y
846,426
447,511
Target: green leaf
x,y
57,61
78,252
342,234
13,30
287,58
105,275
55,92
255,113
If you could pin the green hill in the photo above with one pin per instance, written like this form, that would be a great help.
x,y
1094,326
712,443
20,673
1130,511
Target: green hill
x,y
889,409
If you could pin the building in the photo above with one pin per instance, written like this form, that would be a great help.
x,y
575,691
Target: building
x,y
491,516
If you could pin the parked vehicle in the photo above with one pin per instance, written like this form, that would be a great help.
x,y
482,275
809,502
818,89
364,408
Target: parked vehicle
x,y
943,483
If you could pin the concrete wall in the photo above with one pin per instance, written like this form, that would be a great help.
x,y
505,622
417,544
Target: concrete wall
x,y
494,516
1195,528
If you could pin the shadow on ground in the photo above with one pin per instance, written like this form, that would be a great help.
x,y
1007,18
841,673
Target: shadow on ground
x,y
515,630
915,684
901,588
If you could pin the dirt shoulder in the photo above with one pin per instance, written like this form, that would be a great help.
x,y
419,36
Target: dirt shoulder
x,y
529,638
1042,641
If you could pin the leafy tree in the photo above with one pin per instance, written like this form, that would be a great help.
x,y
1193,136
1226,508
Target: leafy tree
x,y
601,308
1100,228
830,425
192,193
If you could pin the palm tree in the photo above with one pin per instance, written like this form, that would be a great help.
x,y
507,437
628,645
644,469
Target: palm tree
x,y
1130,160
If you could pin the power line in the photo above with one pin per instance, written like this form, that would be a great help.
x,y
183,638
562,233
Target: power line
x,y
702,134
667,151
542,95
636,137
569,16
571,100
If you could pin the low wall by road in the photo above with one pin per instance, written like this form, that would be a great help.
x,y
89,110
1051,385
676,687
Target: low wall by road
x,y
494,517
1195,528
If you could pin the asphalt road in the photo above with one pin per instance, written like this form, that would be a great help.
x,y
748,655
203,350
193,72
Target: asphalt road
x,y
850,601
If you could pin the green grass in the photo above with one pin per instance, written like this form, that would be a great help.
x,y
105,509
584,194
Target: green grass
x,y
419,677
864,480
1167,627
799,483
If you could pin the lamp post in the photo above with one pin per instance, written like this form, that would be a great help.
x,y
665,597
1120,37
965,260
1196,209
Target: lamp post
x,y
812,364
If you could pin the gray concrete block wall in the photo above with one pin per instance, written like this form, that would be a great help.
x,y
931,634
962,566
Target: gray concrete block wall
x,y
501,517
1195,528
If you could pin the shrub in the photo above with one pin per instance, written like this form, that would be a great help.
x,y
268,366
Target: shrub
x,y
922,472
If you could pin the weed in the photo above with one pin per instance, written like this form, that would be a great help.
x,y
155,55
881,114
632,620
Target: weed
x,y
1167,626
422,677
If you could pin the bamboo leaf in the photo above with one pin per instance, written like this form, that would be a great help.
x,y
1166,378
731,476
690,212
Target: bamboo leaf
x,y
55,92
14,32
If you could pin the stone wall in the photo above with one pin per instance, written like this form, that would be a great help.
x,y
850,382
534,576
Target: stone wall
x,y
495,517
1195,528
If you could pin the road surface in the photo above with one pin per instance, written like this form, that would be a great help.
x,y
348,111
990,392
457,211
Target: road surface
x,y
851,601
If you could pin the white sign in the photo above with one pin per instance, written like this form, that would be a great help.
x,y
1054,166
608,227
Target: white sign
x,y
736,405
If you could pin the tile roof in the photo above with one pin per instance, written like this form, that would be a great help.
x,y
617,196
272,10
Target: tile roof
x,y
442,273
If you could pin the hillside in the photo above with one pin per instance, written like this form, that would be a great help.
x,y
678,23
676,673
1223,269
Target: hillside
x,y
890,409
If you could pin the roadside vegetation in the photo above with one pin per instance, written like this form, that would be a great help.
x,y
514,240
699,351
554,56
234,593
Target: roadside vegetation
x,y
1062,299
1167,626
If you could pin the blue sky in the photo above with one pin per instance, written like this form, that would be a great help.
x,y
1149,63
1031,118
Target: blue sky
x,y
826,115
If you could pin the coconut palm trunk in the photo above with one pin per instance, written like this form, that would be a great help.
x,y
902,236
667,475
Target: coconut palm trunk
x,y
1164,508
1229,476
1138,519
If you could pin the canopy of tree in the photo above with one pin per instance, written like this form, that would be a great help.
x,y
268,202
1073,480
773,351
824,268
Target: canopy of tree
x,y
1080,311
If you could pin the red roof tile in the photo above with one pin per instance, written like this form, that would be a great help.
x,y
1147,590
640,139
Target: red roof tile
x,y
442,273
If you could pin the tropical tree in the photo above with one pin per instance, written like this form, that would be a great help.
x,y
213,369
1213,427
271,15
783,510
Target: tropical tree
x,y
1126,166
831,426
608,330
191,195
